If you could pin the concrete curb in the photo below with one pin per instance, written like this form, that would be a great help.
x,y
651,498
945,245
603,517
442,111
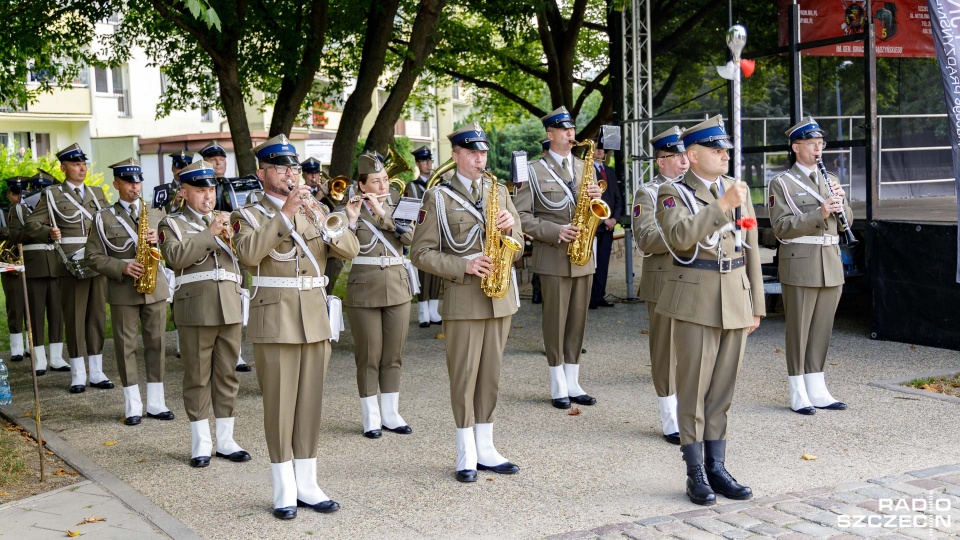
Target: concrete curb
x,y
896,385
130,497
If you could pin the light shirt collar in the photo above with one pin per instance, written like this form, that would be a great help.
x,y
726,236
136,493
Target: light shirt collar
x,y
198,214
276,200
708,183
71,187
806,172
467,183
126,205
559,159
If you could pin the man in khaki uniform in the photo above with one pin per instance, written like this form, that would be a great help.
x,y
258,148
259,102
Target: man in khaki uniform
x,y
714,295
547,204
804,215
208,307
448,242
12,286
43,292
428,299
112,250
285,250
64,215
657,262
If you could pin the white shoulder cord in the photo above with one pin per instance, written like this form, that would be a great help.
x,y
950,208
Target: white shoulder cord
x,y
103,235
274,254
457,247
547,203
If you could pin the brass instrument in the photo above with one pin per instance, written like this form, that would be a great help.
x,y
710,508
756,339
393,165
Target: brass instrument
x,y
11,254
338,187
394,164
226,234
436,175
147,255
499,247
333,225
398,185
589,212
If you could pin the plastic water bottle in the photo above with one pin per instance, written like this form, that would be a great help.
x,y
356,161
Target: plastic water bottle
x,y
6,398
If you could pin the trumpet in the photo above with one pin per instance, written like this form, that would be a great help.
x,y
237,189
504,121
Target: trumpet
x,y
226,233
333,225
338,187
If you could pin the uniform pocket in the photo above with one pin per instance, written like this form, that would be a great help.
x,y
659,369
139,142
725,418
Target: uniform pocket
x,y
685,291
265,314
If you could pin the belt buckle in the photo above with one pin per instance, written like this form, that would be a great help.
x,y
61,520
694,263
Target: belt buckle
x,y
218,274
384,262
306,283
726,265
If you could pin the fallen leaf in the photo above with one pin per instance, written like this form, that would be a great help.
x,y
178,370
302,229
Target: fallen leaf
x,y
515,326
49,453
110,443
644,332
834,363
28,414
808,457
4,494
142,461
91,519
778,351
60,472
72,534
913,347
439,336
574,411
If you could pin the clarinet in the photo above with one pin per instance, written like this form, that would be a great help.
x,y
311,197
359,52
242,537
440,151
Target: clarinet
x,y
848,237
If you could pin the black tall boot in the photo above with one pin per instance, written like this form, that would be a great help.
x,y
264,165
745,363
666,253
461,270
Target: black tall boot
x,y
698,488
720,480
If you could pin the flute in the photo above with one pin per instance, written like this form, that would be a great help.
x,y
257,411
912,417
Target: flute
x,y
850,240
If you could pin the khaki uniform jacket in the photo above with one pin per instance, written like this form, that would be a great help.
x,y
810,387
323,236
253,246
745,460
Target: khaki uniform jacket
x,y
805,265
38,223
657,261
416,188
38,263
463,299
104,256
190,251
370,286
708,297
285,315
543,224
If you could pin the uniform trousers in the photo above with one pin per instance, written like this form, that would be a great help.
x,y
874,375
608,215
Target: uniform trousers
x,y
474,357
809,313
127,320
708,359
429,286
16,309
44,296
291,379
84,308
565,304
663,362
604,248
379,335
209,369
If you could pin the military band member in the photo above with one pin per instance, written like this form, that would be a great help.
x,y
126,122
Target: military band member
x,y
112,250
12,286
428,299
448,242
804,213
196,245
714,295
322,194
64,215
537,294
311,176
378,302
657,263
604,246
285,249
547,204
179,160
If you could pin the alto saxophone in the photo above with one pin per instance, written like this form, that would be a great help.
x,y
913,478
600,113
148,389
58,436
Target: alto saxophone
x,y
148,255
589,212
498,246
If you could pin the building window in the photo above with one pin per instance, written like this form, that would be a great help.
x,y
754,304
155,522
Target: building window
x,y
400,128
100,76
112,82
163,83
456,89
206,115
42,141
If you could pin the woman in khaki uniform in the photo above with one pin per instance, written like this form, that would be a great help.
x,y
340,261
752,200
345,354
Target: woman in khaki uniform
x,y
378,302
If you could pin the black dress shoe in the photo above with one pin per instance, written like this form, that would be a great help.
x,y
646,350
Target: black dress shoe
x,y
403,430
61,368
805,410
537,297
584,399
288,512
373,434
17,358
436,322
244,367
720,480
592,306
324,507
466,476
237,457
132,421
503,468
103,385
605,303
200,461
41,372
835,406
78,389
165,415
425,325
673,438
561,403
698,488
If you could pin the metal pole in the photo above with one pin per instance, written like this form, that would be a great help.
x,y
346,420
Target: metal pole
x,y
870,117
736,39
796,92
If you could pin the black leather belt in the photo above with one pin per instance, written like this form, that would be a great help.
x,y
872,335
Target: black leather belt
x,y
723,265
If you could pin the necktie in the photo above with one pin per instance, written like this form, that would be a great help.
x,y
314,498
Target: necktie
x,y
207,220
133,212
714,190
563,165
475,190
815,178
77,191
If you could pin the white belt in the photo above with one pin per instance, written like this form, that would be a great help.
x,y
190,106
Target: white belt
x,y
38,247
382,262
471,257
304,283
73,240
212,275
826,240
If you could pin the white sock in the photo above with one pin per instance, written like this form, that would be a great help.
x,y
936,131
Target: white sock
x,y
435,311
486,452
572,373
16,344
306,474
284,485
225,443
96,369
668,414
200,441
817,390
78,372
466,450
558,383
132,404
56,356
40,358
155,400
390,409
240,361
424,311
798,393
370,410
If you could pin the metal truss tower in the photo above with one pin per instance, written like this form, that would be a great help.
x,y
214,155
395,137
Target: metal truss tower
x,y
637,94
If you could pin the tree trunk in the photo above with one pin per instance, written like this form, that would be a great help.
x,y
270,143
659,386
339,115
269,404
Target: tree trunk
x,y
423,40
231,95
381,15
294,89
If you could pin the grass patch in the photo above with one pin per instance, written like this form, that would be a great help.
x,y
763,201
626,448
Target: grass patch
x,y
12,464
948,384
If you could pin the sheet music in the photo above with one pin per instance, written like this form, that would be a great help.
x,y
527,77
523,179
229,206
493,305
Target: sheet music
x,y
407,209
521,175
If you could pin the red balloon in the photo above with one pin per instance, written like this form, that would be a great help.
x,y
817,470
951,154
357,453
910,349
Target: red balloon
x,y
747,67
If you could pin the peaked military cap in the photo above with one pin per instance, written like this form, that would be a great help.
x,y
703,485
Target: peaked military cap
x,y
277,151
213,149
72,153
669,141
369,163
470,137
128,170
423,154
197,174
545,145
311,165
17,183
559,118
41,180
709,133
181,159
808,128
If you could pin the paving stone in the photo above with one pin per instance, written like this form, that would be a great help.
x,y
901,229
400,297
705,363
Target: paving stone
x,y
884,480
730,507
672,527
827,519
880,493
907,488
573,535
935,471
654,520
813,529
822,503
739,520
812,492
636,532
607,529
770,515
851,486
709,524
845,537
736,534
797,508
929,484
849,497
797,536
694,513
766,529
950,479
773,499
695,534
953,490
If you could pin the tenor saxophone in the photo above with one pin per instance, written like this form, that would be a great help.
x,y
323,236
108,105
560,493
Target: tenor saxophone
x,y
148,255
589,212
498,246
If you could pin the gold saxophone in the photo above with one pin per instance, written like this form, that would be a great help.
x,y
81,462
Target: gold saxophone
x,y
147,255
589,212
498,246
